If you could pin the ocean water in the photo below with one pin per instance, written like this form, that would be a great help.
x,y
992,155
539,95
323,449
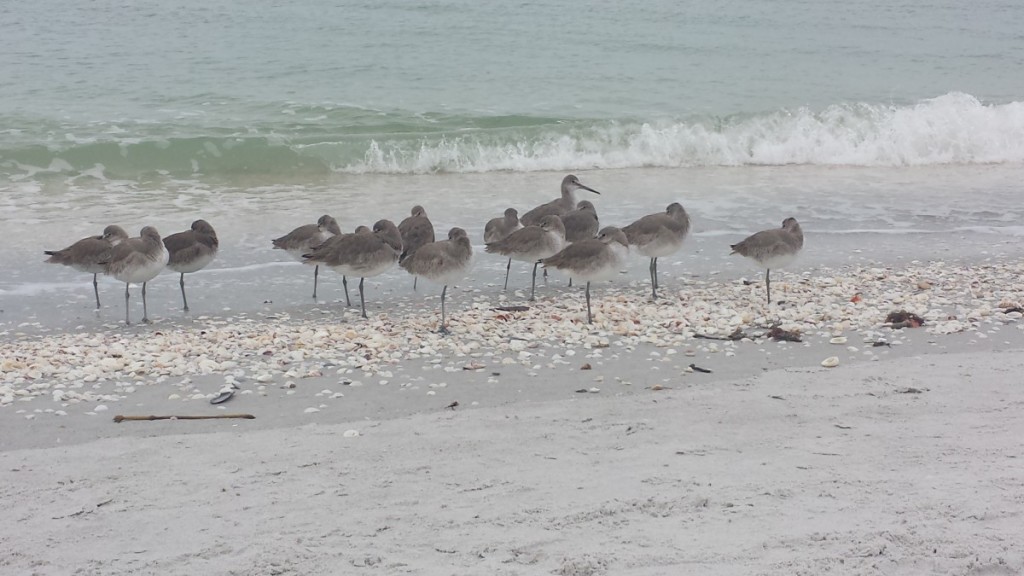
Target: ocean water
x,y
892,130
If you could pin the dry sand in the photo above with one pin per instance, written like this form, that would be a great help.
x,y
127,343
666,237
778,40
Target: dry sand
x,y
909,466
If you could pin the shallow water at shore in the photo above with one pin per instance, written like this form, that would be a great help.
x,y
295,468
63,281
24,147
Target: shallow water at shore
x,y
878,216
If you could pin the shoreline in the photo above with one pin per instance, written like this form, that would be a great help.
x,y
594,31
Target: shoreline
x,y
176,367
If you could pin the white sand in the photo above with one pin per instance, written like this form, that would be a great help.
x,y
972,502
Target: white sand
x,y
794,471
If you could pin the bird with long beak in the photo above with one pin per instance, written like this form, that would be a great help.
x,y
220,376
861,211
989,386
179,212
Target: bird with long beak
x,y
560,206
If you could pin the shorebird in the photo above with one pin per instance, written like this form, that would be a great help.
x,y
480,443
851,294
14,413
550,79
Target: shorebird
x,y
416,230
532,243
593,259
87,254
657,235
499,229
580,224
360,254
570,184
137,260
443,262
306,237
773,248
190,251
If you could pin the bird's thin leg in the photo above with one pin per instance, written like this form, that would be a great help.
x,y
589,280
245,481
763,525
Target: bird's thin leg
x,y
768,283
96,289
145,313
444,327
183,299
414,279
316,278
656,283
507,268
533,282
126,296
590,318
570,281
344,282
362,301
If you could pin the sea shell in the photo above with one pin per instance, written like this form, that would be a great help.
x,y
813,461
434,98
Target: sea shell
x,y
830,362
838,340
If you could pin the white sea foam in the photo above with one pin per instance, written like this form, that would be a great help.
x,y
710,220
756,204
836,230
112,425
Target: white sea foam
x,y
954,128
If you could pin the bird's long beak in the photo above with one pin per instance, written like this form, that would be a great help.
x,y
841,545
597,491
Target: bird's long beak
x,y
588,188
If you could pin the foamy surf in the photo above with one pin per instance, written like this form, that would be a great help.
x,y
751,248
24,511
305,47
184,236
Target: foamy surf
x,y
954,128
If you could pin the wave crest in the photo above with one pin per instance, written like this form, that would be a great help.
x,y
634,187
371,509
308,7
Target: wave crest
x,y
954,128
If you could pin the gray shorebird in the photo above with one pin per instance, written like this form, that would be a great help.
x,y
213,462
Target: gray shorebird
x,y
362,254
567,203
773,248
87,254
416,230
137,260
657,235
190,251
532,243
443,262
593,259
499,229
306,237
580,224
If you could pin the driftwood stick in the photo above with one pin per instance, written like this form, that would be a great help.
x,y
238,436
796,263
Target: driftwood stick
x,y
120,418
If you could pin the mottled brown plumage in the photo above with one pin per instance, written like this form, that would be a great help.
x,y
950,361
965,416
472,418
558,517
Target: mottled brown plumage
x,y
416,230
304,238
191,251
773,248
137,260
659,234
361,254
592,259
532,243
499,228
443,262
88,254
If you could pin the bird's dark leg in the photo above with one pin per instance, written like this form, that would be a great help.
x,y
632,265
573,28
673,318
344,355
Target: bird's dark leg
x,y
654,281
316,278
145,313
126,297
444,328
533,283
768,283
344,282
362,301
590,318
183,299
507,268
414,279
96,289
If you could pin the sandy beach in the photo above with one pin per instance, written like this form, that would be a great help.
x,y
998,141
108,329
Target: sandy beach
x,y
527,442
906,465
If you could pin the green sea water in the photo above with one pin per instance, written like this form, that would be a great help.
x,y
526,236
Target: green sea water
x,y
143,89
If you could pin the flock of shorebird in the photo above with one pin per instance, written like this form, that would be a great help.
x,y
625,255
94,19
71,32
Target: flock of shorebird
x,y
561,234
